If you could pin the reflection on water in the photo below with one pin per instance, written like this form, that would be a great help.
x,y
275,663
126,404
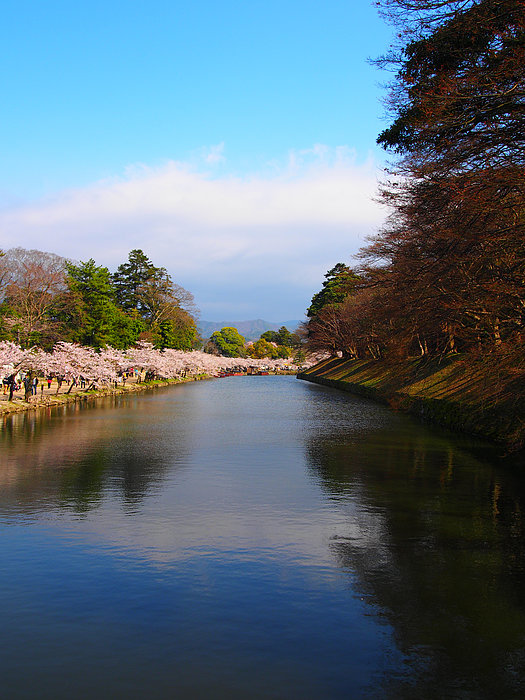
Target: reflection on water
x,y
256,537
68,457
442,554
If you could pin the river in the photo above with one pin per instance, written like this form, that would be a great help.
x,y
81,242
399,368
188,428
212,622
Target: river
x,y
256,537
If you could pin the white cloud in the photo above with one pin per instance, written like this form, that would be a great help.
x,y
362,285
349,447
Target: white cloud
x,y
215,154
219,236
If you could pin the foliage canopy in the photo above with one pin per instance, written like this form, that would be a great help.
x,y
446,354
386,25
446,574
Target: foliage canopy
x,y
45,299
447,271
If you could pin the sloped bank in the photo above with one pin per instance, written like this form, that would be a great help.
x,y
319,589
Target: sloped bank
x,y
477,398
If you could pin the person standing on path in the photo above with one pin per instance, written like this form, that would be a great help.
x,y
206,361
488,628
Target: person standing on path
x,y
11,382
28,387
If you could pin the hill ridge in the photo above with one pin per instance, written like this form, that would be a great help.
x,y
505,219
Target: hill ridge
x,y
250,329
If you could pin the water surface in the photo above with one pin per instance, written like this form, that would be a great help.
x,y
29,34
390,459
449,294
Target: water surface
x,y
256,537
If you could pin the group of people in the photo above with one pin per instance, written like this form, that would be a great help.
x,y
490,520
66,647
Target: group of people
x,y
30,382
14,382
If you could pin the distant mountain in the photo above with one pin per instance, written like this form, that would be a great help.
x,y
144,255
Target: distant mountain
x,y
251,330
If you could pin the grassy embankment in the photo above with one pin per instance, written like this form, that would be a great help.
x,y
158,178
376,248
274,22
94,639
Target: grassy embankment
x,y
479,396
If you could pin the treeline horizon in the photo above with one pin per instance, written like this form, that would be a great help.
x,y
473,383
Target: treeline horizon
x,y
46,299
282,344
447,271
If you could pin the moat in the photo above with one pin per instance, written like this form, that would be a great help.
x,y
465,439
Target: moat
x,y
256,537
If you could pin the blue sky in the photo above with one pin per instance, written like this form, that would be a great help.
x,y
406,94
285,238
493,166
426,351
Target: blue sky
x,y
234,142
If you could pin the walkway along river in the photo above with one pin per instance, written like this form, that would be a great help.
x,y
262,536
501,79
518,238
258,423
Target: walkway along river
x,y
256,537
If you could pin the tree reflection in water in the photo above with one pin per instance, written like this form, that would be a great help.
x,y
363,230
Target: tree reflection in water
x,y
70,457
435,536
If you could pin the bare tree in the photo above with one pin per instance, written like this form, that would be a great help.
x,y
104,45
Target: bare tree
x,y
32,280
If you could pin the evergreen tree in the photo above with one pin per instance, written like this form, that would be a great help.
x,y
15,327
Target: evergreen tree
x,y
339,282
131,276
103,323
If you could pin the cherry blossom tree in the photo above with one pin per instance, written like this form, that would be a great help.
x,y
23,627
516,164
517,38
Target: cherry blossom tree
x,y
71,361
